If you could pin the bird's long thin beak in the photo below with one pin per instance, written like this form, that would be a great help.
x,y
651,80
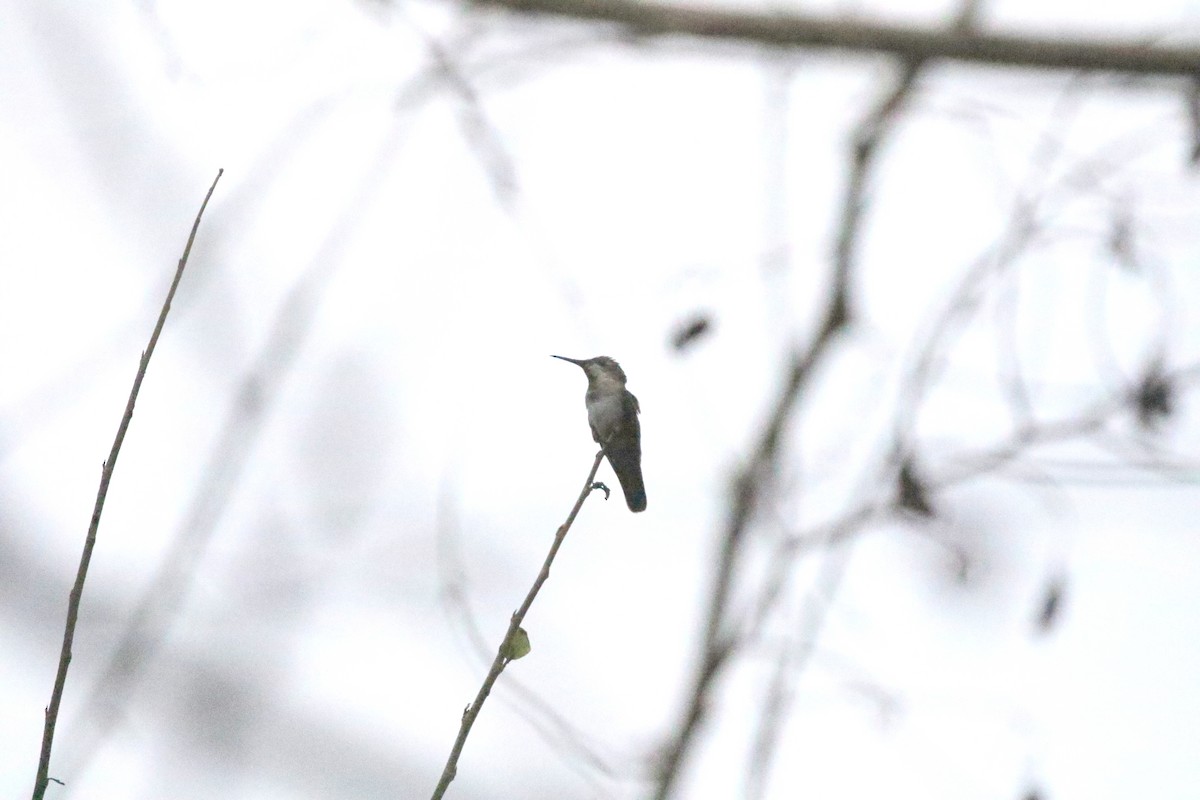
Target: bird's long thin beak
x,y
572,360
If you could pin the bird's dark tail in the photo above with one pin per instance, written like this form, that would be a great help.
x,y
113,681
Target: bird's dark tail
x,y
625,456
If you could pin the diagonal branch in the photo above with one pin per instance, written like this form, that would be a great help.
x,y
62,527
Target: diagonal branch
x,y
223,466
64,660
752,483
504,653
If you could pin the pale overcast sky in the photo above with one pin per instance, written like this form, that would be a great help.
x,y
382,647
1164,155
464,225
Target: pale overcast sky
x,y
352,446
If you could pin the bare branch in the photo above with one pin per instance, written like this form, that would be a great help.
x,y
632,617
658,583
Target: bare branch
x,y
720,637
234,446
956,43
64,661
504,652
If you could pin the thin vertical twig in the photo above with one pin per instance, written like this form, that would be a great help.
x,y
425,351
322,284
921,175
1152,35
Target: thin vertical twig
x,y
503,653
106,473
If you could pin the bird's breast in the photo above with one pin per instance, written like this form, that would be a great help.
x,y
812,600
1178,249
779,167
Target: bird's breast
x,y
605,413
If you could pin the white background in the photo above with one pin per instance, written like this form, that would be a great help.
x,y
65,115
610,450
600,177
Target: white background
x,y
352,423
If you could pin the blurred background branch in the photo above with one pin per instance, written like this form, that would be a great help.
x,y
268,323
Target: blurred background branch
x,y
915,341
789,28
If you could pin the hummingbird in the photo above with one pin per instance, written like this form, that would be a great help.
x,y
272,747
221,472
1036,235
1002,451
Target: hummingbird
x,y
613,416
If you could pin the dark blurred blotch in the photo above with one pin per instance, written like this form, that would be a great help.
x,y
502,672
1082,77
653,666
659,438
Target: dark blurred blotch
x,y
911,492
1155,398
1193,112
1120,240
690,330
1051,608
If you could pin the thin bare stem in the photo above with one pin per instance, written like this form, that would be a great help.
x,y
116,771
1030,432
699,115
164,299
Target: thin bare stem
x,y
64,660
253,403
502,658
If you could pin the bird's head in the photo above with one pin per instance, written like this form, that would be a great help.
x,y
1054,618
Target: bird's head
x,y
599,369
